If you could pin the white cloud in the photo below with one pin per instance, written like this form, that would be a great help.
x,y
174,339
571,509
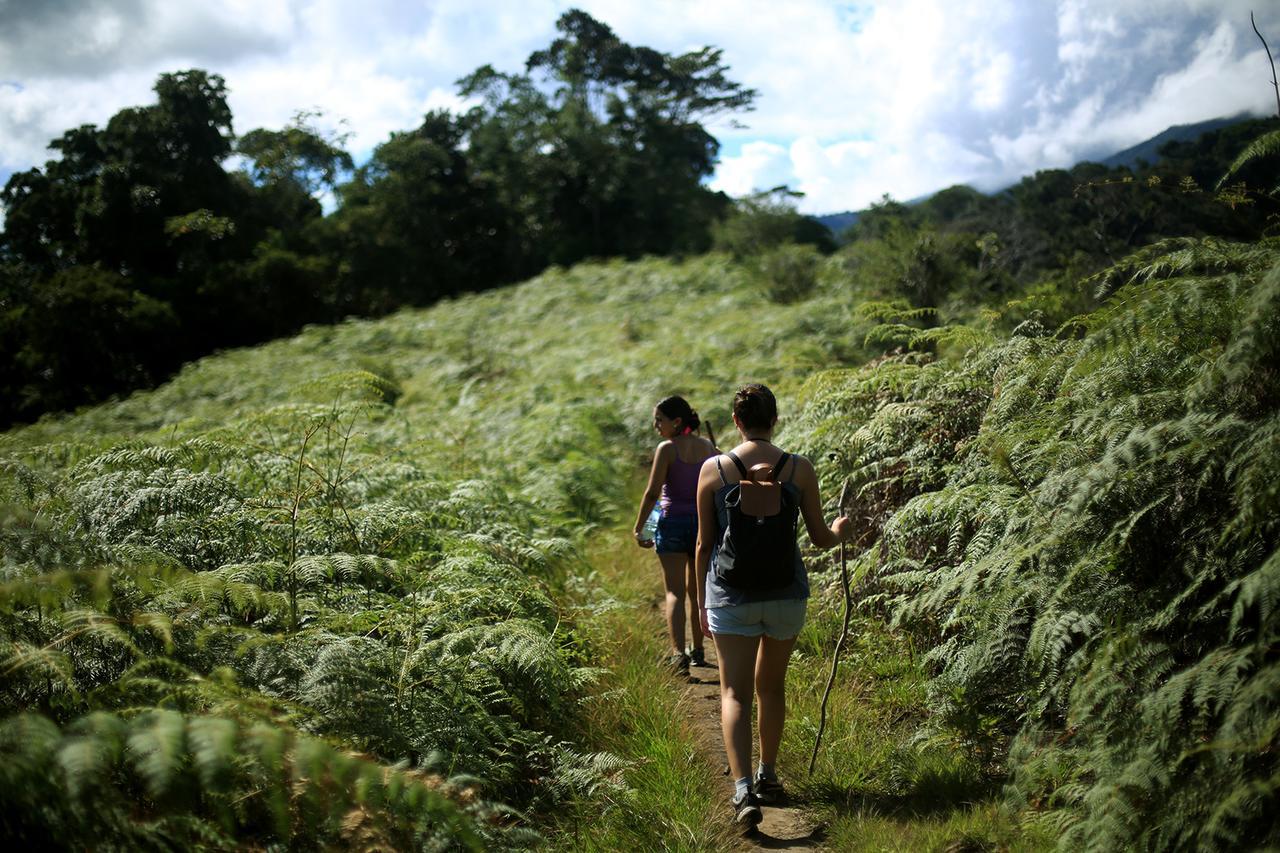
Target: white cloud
x,y
991,82
33,113
985,93
761,165
897,96
1217,80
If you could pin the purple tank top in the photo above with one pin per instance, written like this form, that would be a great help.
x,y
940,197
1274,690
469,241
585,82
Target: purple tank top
x,y
680,491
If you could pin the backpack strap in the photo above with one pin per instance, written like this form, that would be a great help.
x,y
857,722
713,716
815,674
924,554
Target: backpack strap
x,y
746,475
723,481
779,465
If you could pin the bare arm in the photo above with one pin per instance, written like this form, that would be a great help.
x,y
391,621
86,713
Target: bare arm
x,y
657,476
811,508
708,481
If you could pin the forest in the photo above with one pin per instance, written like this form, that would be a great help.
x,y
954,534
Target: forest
x,y
333,558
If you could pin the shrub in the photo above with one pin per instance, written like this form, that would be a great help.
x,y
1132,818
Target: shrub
x,y
788,273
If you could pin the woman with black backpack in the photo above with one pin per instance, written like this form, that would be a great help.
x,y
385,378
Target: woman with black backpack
x,y
753,587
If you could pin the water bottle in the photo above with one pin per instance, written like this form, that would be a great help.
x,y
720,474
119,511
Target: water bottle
x,y
651,525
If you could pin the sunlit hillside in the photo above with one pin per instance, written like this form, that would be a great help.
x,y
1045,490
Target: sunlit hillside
x,y
352,535
235,607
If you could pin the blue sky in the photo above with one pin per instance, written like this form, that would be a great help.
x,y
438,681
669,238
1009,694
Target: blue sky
x,y
856,99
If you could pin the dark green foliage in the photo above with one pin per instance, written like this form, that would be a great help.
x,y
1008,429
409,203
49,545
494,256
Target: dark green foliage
x,y
1205,159
885,217
67,338
597,150
137,250
783,248
788,273
1037,239
108,198
1080,531
298,160
765,221
163,780
418,222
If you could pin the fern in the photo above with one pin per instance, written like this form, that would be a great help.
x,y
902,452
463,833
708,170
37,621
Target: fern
x,y
207,775
1095,589
1265,147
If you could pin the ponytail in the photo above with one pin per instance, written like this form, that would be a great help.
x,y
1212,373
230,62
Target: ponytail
x,y
677,407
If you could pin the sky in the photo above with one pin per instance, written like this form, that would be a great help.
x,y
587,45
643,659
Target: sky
x,y
856,100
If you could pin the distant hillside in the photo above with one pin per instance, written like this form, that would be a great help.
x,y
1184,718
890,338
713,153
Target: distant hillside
x,y
1144,152
837,223
1149,151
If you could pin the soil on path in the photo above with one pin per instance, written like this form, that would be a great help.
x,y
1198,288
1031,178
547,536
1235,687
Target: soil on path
x,y
785,826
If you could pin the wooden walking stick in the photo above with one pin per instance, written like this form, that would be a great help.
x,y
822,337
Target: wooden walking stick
x,y
844,633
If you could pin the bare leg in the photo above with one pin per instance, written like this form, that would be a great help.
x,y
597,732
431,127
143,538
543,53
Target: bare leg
x,y
737,673
771,679
673,608
695,620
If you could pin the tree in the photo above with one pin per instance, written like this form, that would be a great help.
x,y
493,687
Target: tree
x,y
296,162
766,220
107,199
598,148
136,250
417,223
82,334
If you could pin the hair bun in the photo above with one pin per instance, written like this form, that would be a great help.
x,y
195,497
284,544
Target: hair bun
x,y
755,406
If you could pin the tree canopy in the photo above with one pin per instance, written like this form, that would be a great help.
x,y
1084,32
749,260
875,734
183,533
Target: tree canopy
x,y
163,236
150,245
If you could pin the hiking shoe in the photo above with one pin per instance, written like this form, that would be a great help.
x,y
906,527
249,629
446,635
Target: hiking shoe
x,y
768,791
678,663
746,810
697,657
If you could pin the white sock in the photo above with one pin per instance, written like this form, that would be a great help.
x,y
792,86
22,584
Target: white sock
x,y
742,786
766,771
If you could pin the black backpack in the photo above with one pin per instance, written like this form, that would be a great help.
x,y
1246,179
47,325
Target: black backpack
x,y
758,549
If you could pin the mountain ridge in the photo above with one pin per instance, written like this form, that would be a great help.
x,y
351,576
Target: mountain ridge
x,y
1146,152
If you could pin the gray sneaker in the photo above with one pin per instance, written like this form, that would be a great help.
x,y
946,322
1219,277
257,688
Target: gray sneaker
x,y
746,810
768,791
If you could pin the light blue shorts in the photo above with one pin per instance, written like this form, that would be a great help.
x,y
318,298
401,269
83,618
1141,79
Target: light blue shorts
x,y
780,619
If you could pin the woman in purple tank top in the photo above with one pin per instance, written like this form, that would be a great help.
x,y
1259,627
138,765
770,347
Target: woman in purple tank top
x,y
673,487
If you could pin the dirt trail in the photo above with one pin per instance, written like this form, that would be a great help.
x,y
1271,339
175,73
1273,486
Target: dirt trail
x,y
784,827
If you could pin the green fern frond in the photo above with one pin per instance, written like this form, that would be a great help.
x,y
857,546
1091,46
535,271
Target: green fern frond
x,y
157,747
95,745
1181,257
1264,147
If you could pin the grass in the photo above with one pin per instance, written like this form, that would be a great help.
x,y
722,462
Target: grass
x,y
637,714
510,408
872,789
873,786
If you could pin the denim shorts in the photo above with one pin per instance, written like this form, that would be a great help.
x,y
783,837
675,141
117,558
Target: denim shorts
x,y
676,534
780,618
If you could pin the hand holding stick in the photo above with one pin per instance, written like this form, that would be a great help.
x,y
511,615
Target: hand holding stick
x,y
844,633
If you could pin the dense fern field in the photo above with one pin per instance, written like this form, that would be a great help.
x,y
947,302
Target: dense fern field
x,y
1077,527
332,591
326,591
